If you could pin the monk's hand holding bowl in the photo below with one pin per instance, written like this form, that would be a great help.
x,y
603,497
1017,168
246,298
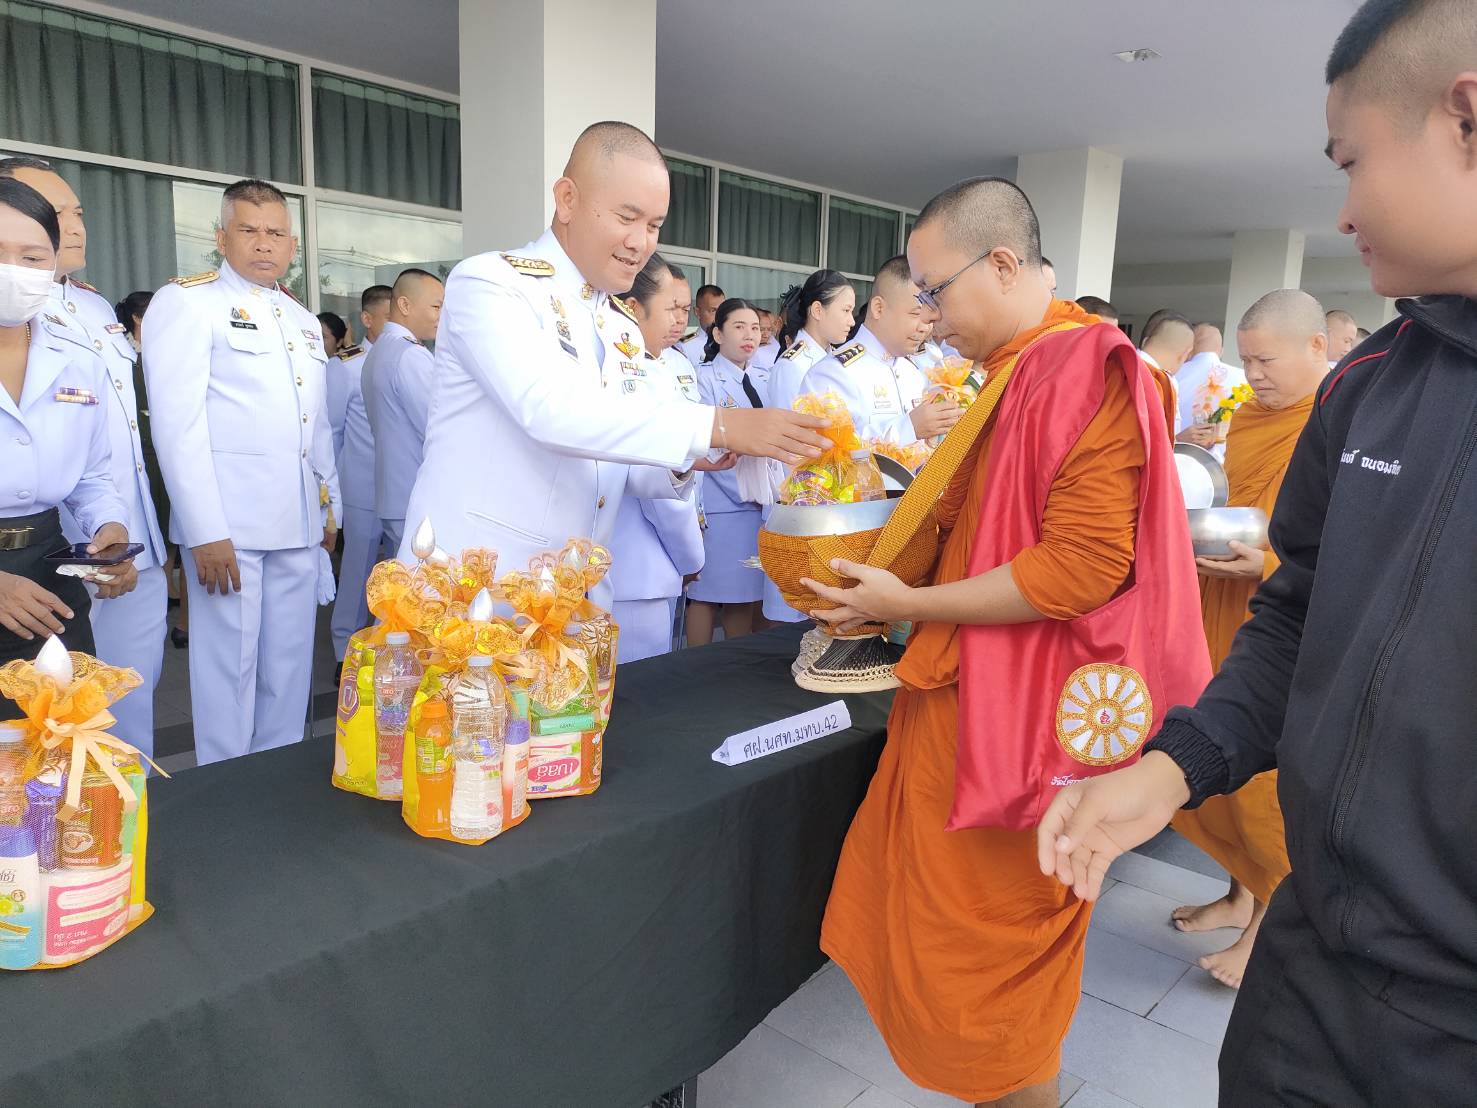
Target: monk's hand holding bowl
x,y
1247,565
877,597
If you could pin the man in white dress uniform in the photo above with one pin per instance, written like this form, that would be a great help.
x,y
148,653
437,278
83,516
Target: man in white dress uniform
x,y
236,374
542,415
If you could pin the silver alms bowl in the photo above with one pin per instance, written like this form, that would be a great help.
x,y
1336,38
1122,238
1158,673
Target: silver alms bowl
x,y
808,520
1213,529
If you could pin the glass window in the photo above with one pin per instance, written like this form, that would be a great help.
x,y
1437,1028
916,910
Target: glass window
x,y
863,291
762,219
860,237
908,222
85,83
359,247
381,142
689,220
762,285
197,216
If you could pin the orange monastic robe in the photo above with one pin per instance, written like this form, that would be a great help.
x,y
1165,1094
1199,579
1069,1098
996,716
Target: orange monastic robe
x,y
969,960
1164,383
1243,831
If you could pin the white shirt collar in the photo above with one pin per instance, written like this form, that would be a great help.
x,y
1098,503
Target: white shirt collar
x,y
235,281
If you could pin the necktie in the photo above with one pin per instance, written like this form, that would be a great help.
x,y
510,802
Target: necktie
x,y
752,393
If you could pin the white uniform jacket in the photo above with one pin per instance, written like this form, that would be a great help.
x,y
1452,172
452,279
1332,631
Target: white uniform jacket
x,y
542,414
865,375
91,322
237,398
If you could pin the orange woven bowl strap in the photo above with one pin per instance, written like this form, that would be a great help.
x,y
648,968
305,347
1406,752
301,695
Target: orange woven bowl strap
x,y
916,503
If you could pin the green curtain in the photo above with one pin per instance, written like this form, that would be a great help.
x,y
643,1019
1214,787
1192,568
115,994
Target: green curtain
x,y
380,142
861,236
688,221
760,219
93,84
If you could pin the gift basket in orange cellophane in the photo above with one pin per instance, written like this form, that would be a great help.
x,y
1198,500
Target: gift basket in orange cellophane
x,y
73,813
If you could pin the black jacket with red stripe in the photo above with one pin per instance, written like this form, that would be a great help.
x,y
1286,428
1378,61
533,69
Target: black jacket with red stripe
x,y
1357,674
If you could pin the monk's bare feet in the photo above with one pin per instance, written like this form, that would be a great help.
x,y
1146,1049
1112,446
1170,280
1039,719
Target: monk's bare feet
x,y
1229,966
1232,910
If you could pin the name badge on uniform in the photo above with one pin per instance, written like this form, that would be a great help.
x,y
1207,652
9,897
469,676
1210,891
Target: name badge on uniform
x,y
631,369
242,320
684,378
312,336
75,396
115,328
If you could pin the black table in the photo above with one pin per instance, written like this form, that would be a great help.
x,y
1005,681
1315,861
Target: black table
x,y
308,949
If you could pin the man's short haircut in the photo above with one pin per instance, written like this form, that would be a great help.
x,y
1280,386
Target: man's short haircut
x,y
1287,312
981,213
9,165
708,290
893,273
374,296
1403,52
610,137
1338,315
1046,261
409,278
335,324
1098,306
1164,317
252,191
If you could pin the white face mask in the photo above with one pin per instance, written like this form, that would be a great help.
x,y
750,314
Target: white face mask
x,y
23,293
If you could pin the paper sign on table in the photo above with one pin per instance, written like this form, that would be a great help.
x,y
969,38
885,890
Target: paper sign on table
x,y
783,734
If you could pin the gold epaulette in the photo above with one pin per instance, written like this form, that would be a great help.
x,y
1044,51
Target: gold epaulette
x,y
196,279
530,267
349,352
792,350
621,306
850,353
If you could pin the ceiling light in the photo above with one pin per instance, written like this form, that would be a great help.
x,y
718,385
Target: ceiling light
x,y
1142,54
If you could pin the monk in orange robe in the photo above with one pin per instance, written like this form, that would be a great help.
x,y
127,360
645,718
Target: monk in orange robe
x,y
1167,342
1284,346
968,959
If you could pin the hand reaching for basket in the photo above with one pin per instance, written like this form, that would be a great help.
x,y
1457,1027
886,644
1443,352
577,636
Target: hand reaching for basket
x,y
877,597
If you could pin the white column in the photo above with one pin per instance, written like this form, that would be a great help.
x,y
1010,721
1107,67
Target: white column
x,y
1261,261
1075,194
534,74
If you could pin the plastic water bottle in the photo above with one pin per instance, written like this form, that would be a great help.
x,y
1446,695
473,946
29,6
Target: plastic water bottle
x,y
479,728
397,674
12,766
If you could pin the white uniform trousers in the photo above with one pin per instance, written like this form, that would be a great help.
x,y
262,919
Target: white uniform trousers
x,y
129,631
251,653
361,552
394,532
646,628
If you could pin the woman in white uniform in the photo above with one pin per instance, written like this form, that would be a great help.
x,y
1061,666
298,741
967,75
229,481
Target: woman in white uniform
x,y
53,444
818,315
728,589
657,544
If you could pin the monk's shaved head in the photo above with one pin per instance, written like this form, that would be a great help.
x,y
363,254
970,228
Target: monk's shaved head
x,y
982,213
601,143
1290,312
1405,52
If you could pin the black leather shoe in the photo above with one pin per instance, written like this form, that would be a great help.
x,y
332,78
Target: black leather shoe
x,y
181,639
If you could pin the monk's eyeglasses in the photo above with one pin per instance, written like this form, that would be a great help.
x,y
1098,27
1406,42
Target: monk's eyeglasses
x,y
929,297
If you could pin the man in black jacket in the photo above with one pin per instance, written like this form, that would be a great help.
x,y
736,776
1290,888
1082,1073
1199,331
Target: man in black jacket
x,y
1357,674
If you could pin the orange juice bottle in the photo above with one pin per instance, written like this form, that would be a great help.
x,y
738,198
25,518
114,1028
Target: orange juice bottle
x,y
433,768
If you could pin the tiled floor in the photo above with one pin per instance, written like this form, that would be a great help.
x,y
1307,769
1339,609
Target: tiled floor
x,y
1147,1031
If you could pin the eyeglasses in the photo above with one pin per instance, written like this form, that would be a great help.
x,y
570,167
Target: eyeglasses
x,y
929,298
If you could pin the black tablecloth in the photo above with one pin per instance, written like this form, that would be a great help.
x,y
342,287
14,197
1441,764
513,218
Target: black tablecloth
x,y
308,949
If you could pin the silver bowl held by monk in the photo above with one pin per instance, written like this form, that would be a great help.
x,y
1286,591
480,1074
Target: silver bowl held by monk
x,y
1201,476
1212,530
808,520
